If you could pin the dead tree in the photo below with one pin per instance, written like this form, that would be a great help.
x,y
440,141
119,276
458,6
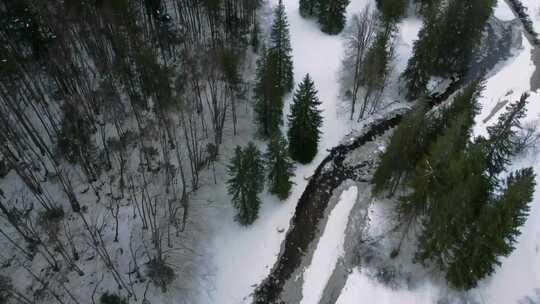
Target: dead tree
x,y
359,37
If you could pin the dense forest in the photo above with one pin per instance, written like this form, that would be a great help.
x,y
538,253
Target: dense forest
x,y
112,109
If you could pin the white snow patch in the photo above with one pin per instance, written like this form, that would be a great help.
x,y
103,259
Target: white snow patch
x,y
533,9
507,84
361,289
408,33
503,12
329,248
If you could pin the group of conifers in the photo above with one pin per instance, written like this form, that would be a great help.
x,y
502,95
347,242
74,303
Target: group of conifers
x,y
456,196
274,79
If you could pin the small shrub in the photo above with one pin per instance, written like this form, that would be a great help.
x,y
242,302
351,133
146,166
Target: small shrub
x,y
160,274
110,298
53,215
50,221
5,287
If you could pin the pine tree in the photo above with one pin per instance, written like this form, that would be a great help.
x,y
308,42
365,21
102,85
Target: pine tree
x,y
331,15
280,167
246,181
268,99
280,51
391,10
304,121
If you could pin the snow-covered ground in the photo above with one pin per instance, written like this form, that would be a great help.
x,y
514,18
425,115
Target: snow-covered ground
x,y
361,289
329,248
534,12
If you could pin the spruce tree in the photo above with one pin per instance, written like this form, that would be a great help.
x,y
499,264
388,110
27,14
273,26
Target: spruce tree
x,y
409,142
254,39
427,5
416,133
451,190
331,15
441,180
307,8
503,142
280,51
304,122
446,43
279,166
391,10
494,233
512,208
420,65
466,228
246,181
268,99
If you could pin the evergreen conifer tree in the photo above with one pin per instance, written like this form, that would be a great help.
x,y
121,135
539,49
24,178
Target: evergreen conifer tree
x,y
414,136
425,6
280,167
280,51
246,181
466,228
451,191
268,99
304,121
391,10
446,43
441,179
503,142
307,8
254,39
331,15
494,233
408,142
